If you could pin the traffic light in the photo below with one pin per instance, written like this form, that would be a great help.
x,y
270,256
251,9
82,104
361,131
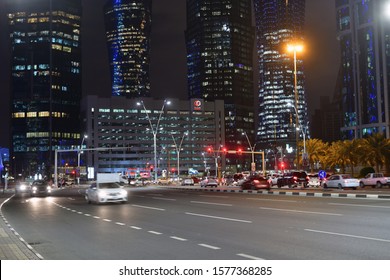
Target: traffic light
x,y
282,165
239,151
151,168
224,150
209,150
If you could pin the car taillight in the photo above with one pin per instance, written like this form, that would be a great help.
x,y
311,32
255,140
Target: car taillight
x,y
256,181
295,178
307,178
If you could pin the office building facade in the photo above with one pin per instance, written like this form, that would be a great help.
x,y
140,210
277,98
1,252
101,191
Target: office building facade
x,y
121,135
45,81
128,27
219,40
281,90
364,35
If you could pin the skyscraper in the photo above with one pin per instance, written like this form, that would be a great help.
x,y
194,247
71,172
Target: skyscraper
x,y
364,35
219,39
282,104
128,26
46,81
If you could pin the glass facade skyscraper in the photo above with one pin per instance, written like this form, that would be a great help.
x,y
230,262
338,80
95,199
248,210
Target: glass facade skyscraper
x,y
128,27
46,81
220,40
280,23
364,35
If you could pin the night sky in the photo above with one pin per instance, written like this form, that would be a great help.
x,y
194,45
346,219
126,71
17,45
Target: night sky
x,y
168,55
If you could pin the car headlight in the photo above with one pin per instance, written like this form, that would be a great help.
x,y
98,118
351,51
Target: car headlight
x,y
123,192
34,188
23,187
48,189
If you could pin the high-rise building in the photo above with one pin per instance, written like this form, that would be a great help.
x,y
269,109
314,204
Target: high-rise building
x,y
128,26
282,105
364,35
220,40
45,81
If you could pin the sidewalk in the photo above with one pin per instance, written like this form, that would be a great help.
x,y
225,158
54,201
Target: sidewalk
x,y
12,246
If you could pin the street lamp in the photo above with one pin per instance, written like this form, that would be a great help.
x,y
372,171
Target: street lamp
x,y
253,164
295,48
303,129
78,158
154,131
178,148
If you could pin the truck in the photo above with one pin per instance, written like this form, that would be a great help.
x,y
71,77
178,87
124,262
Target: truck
x,y
374,179
110,177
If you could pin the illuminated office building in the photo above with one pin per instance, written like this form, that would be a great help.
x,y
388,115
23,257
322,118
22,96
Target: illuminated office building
x,y
280,23
121,139
220,40
364,35
128,26
46,81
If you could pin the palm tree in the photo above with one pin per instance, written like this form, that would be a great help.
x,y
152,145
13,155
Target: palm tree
x,y
316,150
375,150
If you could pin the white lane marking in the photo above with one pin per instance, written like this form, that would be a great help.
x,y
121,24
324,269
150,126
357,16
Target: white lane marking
x,y
277,200
81,213
211,203
120,224
217,217
249,257
134,227
88,215
360,205
178,238
302,212
162,198
348,235
154,232
147,207
96,217
209,246
107,220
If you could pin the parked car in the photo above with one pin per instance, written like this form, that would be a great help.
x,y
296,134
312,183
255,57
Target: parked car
x,y
209,182
340,181
105,192
274,179
294,179
256,182
314,181
187,182
374,179
40,187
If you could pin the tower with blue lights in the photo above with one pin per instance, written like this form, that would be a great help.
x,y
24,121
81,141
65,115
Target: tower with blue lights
x,y
128,27
281,93
364,36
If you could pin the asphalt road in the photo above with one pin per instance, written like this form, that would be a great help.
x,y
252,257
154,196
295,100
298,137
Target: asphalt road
x,y
159,223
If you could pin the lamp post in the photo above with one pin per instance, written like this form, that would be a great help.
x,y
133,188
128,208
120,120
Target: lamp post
x,y
300,127
253,164
295,48
78,158
154,131
178,148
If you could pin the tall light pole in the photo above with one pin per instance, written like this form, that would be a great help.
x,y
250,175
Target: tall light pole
x,y
253,164
295,48
154,131
78,158
178,148
301,128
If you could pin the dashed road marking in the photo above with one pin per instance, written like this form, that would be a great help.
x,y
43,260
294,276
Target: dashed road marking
x,y
209,246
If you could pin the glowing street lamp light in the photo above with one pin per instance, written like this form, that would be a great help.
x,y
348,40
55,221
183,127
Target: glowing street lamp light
x,y
295,48
154,131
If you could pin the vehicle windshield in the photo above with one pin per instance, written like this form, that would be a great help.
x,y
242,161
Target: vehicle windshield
x,y
346,176
108,186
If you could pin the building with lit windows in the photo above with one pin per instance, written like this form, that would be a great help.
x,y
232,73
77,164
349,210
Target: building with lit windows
x,y
281,93
46,81
121,139
128,26
364,35
220,40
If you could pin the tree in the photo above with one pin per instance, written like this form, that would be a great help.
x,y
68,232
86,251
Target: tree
x,y
316,150
375,151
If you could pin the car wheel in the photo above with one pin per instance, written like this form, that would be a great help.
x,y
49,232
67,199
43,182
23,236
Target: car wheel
x,y
87,199
378,185
361,184
339,186
325,186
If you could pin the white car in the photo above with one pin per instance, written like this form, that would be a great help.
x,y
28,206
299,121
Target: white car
x,y
209,182
187,182
106,192
340,181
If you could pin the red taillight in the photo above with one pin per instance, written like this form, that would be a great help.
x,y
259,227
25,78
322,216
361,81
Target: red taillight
x,y
256,181
295,178
307,178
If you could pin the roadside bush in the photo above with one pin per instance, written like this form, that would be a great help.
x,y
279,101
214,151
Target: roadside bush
x,y
365,170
